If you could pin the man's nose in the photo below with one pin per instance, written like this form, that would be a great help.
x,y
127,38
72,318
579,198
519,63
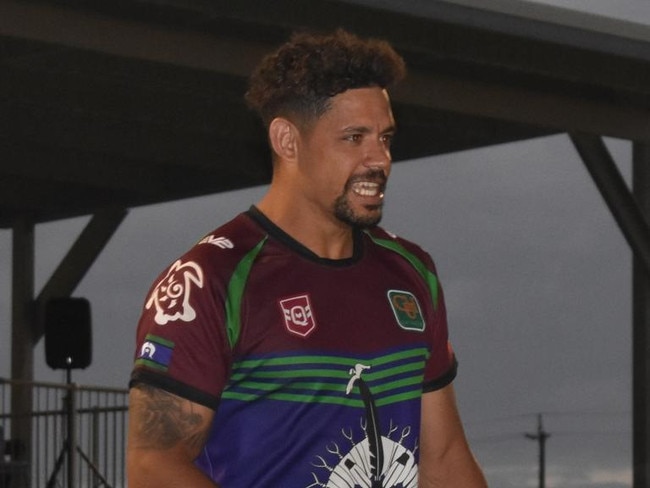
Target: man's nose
x,y
378,156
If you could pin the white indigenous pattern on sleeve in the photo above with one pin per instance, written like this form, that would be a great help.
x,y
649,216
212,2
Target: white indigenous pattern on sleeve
x,y
171,296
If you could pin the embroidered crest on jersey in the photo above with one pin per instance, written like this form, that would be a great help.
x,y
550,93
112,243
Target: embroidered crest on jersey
x,y
156,353
406,309
298,316
171,296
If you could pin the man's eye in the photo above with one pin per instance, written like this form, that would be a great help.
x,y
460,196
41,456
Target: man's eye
x,y
387,139
353,137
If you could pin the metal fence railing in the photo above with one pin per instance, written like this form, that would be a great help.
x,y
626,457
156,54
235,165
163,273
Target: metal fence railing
x,y
77,436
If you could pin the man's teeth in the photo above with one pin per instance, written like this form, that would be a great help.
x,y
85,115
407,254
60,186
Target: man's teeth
x,y
366,189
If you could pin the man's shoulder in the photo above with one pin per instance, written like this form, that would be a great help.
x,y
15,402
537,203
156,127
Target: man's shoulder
x,y
379,234
219,251
406,248
240,233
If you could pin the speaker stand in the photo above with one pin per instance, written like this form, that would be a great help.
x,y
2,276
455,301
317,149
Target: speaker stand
x,y
68,449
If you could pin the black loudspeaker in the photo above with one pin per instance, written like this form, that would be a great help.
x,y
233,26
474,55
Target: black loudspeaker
x,y
68,341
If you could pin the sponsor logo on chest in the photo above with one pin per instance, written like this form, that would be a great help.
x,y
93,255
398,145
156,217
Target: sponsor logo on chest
x,y
406,310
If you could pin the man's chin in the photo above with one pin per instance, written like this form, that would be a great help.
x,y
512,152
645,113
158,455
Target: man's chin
x,y
364,220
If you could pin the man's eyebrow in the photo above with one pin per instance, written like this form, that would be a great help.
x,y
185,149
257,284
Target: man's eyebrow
x,y
356,129
365,130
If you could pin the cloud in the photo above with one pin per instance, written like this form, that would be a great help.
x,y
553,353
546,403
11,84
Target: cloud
x,y
613,477
574,477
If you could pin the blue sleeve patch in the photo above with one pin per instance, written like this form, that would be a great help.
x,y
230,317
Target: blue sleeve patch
x,y
155,353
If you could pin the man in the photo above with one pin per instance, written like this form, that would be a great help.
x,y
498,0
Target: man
x,y
300,345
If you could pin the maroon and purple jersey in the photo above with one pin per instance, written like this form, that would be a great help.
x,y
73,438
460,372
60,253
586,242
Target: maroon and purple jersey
x,y
315,367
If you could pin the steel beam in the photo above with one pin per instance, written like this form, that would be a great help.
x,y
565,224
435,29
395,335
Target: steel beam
x,y
641,330
520,104
22,352
76,263
617,195
631,209
59,26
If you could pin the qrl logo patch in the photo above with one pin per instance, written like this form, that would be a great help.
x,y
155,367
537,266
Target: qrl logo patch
x,y
298,317
406,309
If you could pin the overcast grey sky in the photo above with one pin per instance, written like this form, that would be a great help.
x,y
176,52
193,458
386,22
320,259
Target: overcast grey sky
x,y
537,279
536,275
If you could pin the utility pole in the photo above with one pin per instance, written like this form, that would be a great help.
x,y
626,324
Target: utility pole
x,y
540,436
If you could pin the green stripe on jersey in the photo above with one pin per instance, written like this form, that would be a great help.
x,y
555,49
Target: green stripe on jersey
x,y
309,359
323,379
420,267
235,293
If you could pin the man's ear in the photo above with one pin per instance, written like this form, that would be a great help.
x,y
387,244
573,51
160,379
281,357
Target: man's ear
x,y
283,136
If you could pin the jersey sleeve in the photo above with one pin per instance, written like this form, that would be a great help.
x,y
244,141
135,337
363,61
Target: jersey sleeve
x,y
441,367
181,341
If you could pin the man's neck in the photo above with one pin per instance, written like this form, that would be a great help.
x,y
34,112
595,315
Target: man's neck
x,y
323,235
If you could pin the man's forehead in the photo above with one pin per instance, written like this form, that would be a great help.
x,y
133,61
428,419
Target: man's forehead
x,y
363,104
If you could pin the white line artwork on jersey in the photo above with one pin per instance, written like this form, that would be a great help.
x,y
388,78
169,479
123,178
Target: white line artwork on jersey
x,y
376,461
171,296
221,242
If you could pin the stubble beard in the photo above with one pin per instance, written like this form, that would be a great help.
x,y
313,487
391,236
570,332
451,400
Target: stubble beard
x,y
345,213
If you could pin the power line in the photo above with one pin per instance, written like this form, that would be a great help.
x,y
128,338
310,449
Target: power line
x,y
540,436
547,413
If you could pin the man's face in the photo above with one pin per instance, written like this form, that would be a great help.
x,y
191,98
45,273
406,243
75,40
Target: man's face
x,y
345,157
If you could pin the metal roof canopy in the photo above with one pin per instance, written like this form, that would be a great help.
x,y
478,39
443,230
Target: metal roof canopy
x,y
131,102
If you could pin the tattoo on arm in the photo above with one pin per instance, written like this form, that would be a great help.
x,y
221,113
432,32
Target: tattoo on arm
x,y
163,420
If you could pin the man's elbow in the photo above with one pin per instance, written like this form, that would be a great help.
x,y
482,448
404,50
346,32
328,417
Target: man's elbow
x,y
454,466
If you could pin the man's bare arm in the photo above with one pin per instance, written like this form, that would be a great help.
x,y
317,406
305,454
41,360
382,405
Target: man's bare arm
x,y
166,434
445,457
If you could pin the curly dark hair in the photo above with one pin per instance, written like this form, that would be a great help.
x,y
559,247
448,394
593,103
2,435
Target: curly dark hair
x,y
302,75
